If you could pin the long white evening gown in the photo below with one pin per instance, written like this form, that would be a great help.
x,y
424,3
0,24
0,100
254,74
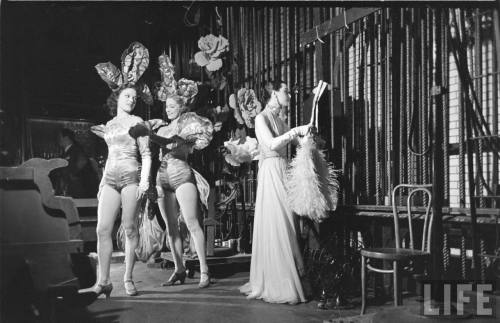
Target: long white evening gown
x,y
276,257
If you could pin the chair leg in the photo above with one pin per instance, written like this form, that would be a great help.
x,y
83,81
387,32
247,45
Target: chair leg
x,y
397,286
363,285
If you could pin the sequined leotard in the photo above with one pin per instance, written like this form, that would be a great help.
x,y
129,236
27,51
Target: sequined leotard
x,y
123,166
174,170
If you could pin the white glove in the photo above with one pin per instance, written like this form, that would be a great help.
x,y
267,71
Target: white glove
x,y
301,130
283,140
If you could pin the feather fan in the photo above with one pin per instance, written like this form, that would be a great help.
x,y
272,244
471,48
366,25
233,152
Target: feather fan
x,y
312,183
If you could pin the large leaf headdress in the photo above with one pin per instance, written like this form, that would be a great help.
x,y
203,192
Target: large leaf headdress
x,y
187,89
134,61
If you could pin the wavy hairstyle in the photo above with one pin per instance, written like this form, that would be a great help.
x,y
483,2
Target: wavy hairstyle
x,y
112,101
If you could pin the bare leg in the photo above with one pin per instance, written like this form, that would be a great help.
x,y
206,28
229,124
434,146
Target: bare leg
x,y
107,210
129,222
187,195
169,212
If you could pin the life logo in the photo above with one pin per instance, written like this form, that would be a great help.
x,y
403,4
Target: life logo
x,y
459,299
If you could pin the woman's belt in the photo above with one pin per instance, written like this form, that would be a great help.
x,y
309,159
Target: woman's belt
x,y
271,154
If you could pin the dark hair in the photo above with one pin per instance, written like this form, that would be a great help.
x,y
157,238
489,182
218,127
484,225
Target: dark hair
x,y
65,132
112,101
267,89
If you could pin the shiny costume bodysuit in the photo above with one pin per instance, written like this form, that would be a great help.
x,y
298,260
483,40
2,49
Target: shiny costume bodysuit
x,y
123,166
174,170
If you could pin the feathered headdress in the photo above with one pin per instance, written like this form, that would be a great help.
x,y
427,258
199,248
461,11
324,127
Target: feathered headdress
x,y
134,61
184,88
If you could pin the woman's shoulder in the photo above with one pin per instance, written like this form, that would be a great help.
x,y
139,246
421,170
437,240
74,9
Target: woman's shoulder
x,y
135,119
111,121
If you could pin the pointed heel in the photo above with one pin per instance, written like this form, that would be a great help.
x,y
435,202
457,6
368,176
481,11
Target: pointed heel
x,y
103,289
180,277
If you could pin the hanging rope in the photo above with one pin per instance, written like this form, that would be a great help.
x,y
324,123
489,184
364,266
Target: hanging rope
x,y
446,254
414,129
463,257
186,19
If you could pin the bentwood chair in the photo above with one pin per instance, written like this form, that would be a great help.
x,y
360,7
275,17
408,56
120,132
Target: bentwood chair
x,y
400,256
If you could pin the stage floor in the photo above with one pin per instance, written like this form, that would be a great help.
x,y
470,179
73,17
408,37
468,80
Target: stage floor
x,y
221,302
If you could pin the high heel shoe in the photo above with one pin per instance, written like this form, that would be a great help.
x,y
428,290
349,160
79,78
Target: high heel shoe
x,y
181,277
130,287
103,289
204,279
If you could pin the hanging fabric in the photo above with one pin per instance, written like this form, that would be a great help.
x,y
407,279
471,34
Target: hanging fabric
x,y
151,235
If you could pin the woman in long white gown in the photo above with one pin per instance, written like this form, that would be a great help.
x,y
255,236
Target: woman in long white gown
x,y
276,266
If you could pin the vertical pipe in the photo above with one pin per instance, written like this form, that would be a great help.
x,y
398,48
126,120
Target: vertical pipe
x,y
265,44
470,165
284,44
414,76
445,77
263,55
403,73
254,49
477,75
331,62
426,85
360,114
244,56
288,53
276,43
292,63
470,170
378,139
297,64
366,112
258,48
345,94
308,64
353,143
249,43
305,66
409,70
461,147
384,60
420,169
436,112
389,60
229,35
262,42
495,90
373,110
